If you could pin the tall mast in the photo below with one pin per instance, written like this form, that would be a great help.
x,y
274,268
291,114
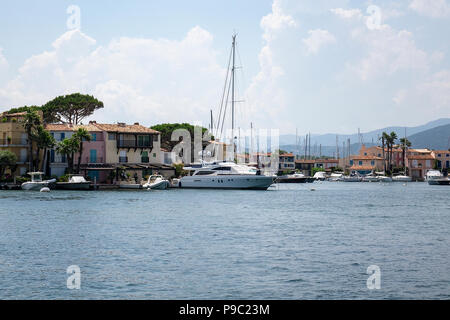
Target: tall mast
x,y
232,87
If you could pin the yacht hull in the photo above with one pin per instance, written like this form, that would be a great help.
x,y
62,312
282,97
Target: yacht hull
x,y
73,185
249,182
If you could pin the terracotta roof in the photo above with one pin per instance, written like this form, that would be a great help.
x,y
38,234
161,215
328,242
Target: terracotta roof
x,y
359,157
305,161
362,168
18,114
287,155
442,151
68,127
419,150
124,128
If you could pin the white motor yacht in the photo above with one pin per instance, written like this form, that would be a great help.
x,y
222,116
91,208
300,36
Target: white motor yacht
x,y
227,175
156,182
433,176
36,182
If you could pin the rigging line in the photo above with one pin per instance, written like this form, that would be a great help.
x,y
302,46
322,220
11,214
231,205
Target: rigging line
x,y
226,107
244,79
223,92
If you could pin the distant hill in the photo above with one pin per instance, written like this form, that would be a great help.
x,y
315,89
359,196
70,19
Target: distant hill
x,y
436,138
330,138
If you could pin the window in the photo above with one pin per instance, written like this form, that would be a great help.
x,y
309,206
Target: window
x,y
94,137
143,141
372,162
360,162
351,162
144,157
111,136
93,156
63,136
222,169
155,138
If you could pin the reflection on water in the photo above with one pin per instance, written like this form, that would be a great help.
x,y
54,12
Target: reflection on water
x,y
285,243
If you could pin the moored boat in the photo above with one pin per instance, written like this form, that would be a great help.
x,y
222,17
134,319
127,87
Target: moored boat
x,y
227,175
36,183
156,182
76,182
401,178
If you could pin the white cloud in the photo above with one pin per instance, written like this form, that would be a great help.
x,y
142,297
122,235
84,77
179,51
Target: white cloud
x,y
317,39
137,78
431,8
347,13
276,21
389,51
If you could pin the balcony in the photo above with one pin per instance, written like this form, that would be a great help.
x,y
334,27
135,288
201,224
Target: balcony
x,y
134,144
123,159
13,142
90,160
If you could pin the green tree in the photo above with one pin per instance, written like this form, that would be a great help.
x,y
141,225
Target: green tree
x,y
80,136
31,123
383,139
71,108
44,141
7,160
68,147
392,138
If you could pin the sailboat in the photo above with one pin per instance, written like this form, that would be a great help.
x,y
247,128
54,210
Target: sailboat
x,y
227,175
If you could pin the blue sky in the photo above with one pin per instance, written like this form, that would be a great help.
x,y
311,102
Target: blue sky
x,y
319,66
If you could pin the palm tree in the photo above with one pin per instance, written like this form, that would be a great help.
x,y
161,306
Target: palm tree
x,y
392,139
81,135
44,141
405,143
384,143
31,122
68,147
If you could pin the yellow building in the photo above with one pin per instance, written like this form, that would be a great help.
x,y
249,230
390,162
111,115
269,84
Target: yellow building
x,y
14,138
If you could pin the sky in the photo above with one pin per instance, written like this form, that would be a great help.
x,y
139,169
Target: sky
x,y
316,66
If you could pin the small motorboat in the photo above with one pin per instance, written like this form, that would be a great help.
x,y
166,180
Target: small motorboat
x,y
129,185
370,178
352,178
401,178
293,178
36,182
433,176
156,182
384,179
76,182
336,176
320,176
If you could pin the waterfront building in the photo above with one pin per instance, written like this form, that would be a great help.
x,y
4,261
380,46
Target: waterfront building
x,y
94,151
376,151
14,138
419,161
287,162
326,164
365,164
442,158
305,166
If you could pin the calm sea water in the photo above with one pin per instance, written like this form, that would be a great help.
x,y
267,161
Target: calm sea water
x,y
285,243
